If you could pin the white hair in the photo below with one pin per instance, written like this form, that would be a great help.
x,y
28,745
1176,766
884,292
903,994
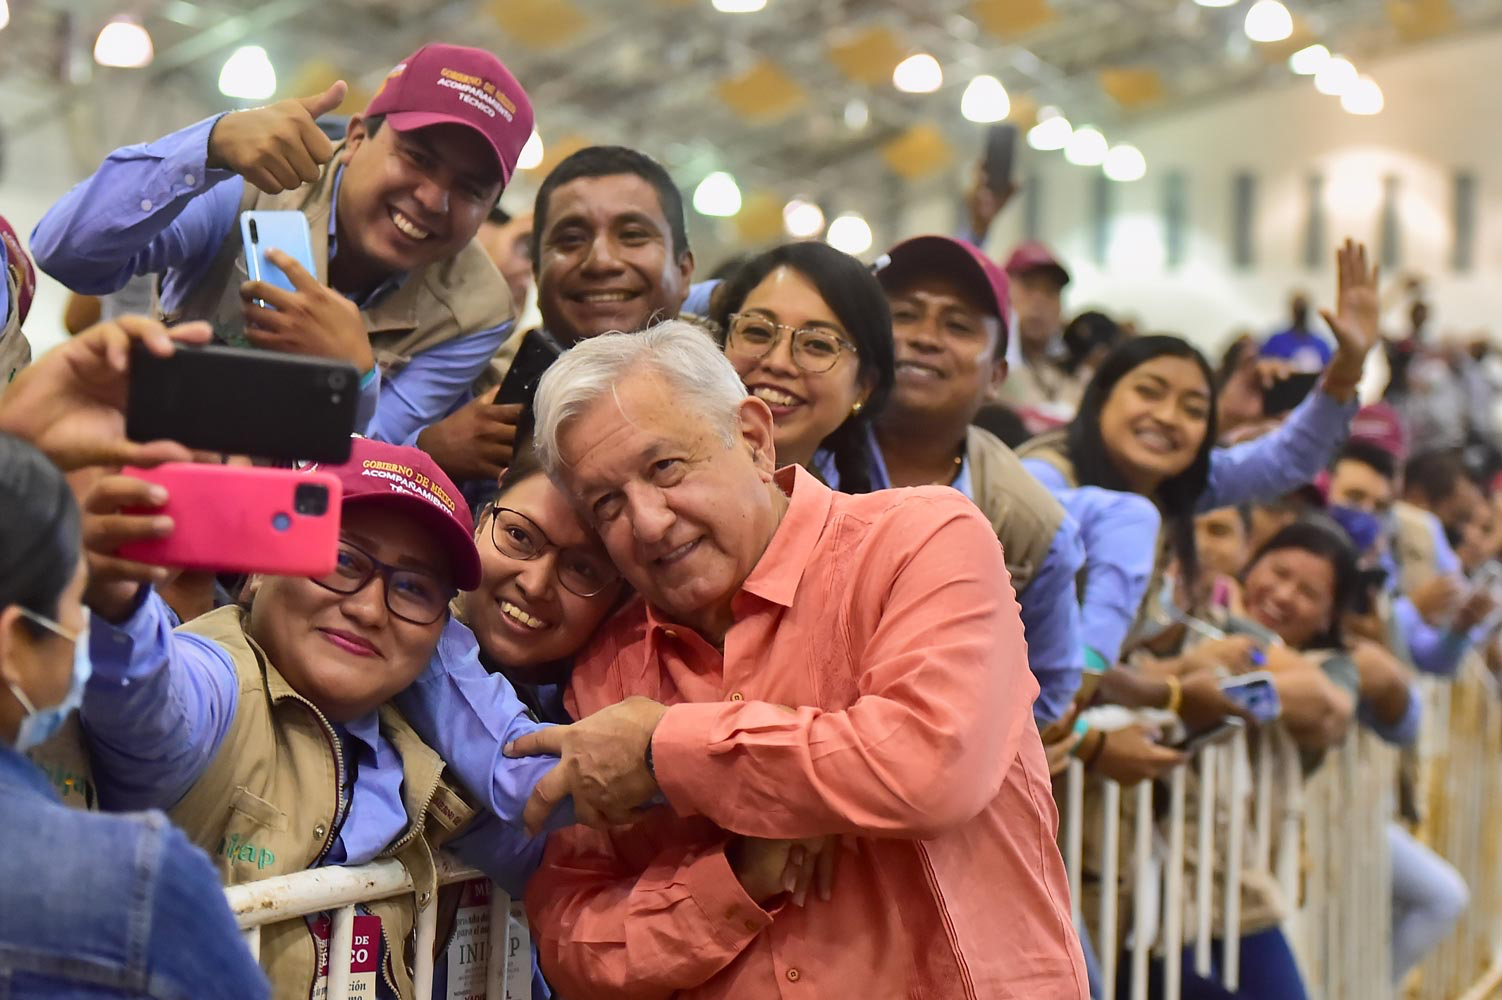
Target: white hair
x,y
702,379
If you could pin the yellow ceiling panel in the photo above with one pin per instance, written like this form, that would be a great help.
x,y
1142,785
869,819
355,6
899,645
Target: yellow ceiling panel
x,y
1007,19
920,150
1132,86
867,56
555,151
1420,19
317,75
1024,111
763,93
541,24
760,219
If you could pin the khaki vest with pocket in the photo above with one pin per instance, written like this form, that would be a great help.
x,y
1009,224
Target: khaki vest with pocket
x,y
266,805
15,349
434,305
1025,515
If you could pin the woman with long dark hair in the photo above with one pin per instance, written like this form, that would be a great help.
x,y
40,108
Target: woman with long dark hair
x,y
809,330
1147,426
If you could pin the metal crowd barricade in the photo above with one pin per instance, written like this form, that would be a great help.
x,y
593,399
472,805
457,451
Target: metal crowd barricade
x,y
341,890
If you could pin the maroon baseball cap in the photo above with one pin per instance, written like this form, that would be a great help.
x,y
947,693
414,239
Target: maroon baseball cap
x,y
457,84
1380,426
1034,256
405,479
21,273
945,255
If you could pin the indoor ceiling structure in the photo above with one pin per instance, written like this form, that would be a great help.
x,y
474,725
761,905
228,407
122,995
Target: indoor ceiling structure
x,y
794,98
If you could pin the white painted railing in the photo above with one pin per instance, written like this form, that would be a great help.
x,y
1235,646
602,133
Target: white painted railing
x,y
1322,841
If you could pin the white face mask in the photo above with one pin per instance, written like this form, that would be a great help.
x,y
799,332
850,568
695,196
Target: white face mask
x,y
41,723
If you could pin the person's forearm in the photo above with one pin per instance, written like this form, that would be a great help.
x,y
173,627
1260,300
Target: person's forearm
x,y
1316,712
1399,731
1051,624
156,709
430,384
603,931
122,221
1289,457
1434,650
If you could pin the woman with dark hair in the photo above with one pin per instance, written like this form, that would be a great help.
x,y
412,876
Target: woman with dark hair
x,y
117,906
1147,426
810,332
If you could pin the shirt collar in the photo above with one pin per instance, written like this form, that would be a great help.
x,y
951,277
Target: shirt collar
x,y
386,287
780,568
365,730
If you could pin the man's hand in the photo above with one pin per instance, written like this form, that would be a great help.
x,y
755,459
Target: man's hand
x,y
1355,321
1436,598
1134,754
114,582
70,403
1475,610
314,320
474,442
603,764
1203,703
278,147
768,868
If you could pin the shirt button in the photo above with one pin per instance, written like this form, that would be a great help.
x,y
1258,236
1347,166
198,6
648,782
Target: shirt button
x,y
729,913
320,830
736,696
189,180
750,925
670,633
145,204
794,975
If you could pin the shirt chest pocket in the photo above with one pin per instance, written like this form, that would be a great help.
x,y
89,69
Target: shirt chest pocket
x,y
256,842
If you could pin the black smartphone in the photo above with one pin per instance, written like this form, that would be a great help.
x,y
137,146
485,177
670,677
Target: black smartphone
x,y
533,357
243,401
1218,733
1287,393
1001,155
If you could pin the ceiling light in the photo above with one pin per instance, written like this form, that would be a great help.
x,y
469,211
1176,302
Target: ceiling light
x,y
919,74
718,196
857,114
1125,163
802,219
1335,77
1217,3
1052,131
4,14
123,43
1268,21
849,233
1363,97
1309,60
248,74
985,100
739,6
530,157
1086,148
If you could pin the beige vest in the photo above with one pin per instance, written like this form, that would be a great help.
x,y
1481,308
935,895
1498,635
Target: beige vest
x,y
1025,515
1413,545
266,806
15,350
435,304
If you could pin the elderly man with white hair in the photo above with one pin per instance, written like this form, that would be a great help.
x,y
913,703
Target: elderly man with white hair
x,y
809,687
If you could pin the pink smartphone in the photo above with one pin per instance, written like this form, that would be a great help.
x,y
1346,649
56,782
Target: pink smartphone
x,y
241,519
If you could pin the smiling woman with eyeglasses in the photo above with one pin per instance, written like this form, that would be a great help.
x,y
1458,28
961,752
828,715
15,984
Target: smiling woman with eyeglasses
x,y
809,331
546,585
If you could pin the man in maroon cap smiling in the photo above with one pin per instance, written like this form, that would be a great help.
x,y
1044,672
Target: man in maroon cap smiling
x,y
265,732
402,290
1038,383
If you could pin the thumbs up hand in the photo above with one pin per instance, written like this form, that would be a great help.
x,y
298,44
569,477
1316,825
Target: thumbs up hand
x,y
278,147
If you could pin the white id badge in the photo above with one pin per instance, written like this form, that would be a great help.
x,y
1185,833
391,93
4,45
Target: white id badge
x,y
518,954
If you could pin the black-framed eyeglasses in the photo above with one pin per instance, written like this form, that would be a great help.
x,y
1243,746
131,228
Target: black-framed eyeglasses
x,y
582,572
815,349
413,595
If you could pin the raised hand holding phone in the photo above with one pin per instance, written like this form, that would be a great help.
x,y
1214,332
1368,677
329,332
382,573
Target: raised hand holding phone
x,y
312,319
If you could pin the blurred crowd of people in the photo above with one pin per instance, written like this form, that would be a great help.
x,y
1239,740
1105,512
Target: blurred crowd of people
x,y
753,646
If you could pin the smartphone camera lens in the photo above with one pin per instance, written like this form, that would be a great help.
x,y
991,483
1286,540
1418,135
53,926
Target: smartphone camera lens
x,y
338,380
311,500
255,236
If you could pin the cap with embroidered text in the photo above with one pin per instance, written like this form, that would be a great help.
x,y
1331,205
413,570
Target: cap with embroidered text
x,y
456,84
395,477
